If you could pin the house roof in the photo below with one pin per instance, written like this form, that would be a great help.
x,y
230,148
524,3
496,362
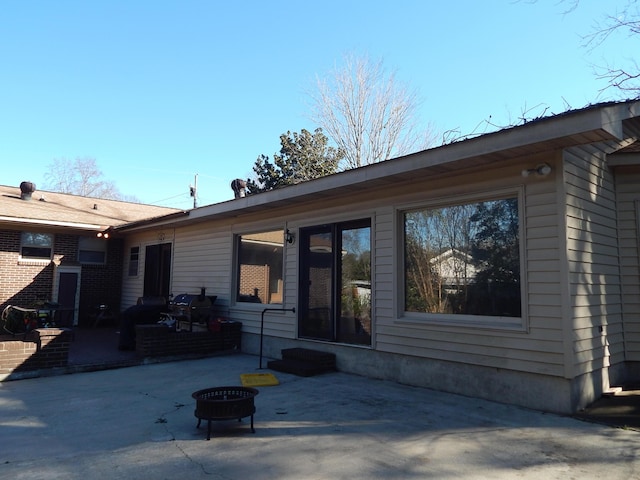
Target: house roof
x,y
63,210
597,123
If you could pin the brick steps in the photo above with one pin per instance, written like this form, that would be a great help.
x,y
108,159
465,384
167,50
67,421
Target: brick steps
x,y
304,362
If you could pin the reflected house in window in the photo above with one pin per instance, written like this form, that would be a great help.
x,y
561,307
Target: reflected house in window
x,y
455,269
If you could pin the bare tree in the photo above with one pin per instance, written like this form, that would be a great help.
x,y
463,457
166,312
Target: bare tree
x,y
624,20
81,177
367,113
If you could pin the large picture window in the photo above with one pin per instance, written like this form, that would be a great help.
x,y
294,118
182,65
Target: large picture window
x,y
463,259
260,267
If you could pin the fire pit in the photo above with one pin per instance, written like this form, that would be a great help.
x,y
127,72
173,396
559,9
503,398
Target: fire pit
x,y
224,403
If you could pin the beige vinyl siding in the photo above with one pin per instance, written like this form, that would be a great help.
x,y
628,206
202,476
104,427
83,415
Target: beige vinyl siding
x,y
277,324
544,273
538,349
202,258
628,189
205,257
498,349
133,287
290,290
384,278
592,255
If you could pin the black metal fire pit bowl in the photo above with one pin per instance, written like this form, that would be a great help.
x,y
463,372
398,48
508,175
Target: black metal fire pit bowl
x,y
224,403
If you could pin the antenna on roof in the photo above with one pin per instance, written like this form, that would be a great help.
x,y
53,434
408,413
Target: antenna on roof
x,y
193,191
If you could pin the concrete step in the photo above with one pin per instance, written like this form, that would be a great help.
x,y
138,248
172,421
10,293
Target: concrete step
x,y
323,359
297,367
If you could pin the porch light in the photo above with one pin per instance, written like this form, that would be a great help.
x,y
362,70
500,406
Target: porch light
x,y
289,237
541,170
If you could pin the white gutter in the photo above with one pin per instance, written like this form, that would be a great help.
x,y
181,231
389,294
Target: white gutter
x,y
33,221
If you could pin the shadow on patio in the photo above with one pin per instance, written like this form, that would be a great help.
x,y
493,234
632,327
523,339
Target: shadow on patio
x,y
99,347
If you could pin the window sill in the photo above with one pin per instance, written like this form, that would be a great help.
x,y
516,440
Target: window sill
x,y
33,261
511,324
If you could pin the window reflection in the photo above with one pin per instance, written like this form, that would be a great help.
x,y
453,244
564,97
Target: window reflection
x,y
463,259
260,267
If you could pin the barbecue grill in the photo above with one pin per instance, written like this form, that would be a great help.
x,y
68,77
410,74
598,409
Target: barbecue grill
x,y
191,308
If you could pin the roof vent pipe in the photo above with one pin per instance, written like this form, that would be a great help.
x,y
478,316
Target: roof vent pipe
x,y
239,188
26,190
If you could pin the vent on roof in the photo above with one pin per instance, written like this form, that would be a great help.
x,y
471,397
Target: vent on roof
x,y
26,190
239,188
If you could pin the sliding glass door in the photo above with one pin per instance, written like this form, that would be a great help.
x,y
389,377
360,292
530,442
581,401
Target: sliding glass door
x,y
335,282
316,283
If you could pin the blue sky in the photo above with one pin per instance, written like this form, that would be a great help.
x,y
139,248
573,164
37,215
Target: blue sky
x,y
159,91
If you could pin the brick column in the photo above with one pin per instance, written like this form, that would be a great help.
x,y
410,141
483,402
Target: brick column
x,y
14,353
53,347
43,348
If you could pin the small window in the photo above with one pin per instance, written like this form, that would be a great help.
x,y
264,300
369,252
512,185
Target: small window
x,y
260,267
92,250
36,245
134,255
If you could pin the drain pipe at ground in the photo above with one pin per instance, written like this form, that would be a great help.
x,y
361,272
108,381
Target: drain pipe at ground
x,y
262,324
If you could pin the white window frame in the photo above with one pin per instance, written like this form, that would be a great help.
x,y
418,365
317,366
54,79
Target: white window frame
x,y
236,266
130,263
459,320
92,245
49,245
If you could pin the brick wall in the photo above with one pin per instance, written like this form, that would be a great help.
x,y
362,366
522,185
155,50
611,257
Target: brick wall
x,y
254,280
45,348
25,283
21,283
158,340
65,249
102,284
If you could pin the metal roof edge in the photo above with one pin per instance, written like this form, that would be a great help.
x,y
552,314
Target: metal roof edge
x,y
34,221
149,221
605,118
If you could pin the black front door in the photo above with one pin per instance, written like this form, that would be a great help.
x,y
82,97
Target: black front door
x,y
67,293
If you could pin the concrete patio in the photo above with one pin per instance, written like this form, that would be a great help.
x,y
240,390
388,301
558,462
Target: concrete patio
x,y
138,422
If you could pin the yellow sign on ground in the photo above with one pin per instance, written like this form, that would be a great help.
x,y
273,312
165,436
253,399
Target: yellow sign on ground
x,y
258,379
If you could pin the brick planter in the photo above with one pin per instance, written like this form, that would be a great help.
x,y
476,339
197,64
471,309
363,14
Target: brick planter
x,y
43,348
159,340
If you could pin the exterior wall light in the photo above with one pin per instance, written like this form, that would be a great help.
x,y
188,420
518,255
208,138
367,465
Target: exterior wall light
x,y
289,237
541,170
